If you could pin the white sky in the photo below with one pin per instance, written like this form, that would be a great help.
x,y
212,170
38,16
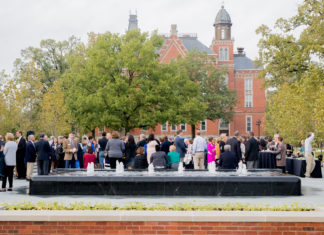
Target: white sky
x,y
25,23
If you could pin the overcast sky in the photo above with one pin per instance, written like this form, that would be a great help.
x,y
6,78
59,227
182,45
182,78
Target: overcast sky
x,y
25,23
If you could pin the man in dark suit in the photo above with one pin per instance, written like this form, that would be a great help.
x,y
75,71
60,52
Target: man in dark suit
x,y
43,150
228,159
30,156
20,156
235,146
251,152
180,145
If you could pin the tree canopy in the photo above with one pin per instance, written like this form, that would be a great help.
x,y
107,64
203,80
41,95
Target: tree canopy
x,y
202,69
292,57
117,81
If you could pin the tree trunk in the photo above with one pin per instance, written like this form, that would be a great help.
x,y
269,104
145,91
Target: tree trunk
x,y
193,131
94,133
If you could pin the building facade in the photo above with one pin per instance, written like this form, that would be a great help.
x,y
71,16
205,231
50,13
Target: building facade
x,y
242,75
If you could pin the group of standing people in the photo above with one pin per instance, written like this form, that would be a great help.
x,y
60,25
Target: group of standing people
x,y
68,152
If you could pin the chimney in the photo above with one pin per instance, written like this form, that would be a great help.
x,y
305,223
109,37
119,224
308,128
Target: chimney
x,y
173,30
240,50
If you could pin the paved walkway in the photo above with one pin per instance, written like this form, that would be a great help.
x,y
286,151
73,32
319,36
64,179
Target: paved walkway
x,y
312,190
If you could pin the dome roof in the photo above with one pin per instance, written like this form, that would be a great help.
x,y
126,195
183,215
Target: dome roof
x,y
222,17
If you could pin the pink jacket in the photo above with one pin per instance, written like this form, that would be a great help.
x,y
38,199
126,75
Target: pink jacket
x,y
211,154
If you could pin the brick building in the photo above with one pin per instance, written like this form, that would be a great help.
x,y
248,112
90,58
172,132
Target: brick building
x,y
241,76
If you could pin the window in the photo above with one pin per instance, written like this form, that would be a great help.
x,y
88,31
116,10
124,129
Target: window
x,y
203,125
248,91
164,126
223,53
223,124
173,127
221,58
183,127
223,33
248,123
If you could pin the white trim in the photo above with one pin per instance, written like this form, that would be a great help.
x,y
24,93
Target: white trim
x,y
166,123
246,129
205,125
185,125
250,92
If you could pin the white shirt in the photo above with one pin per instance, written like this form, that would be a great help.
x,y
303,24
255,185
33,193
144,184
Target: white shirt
x,y
308,143
199,144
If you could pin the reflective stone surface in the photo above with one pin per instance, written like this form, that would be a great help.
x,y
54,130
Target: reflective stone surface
x,y
166,183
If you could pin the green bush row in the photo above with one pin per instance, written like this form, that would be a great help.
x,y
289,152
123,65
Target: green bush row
x,y
156,207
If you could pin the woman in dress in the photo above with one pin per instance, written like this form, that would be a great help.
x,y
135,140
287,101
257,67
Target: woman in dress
x,y
150,148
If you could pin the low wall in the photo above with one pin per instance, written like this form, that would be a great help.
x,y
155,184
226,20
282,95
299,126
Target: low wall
x,y
161,222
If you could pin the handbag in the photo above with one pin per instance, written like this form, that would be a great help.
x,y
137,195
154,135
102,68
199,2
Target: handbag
x,y
278,156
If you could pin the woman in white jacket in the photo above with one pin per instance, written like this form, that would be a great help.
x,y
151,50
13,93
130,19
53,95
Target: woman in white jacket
x,y
9,151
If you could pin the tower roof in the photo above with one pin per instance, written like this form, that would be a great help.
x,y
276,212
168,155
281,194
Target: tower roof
x,y
132,22
222,17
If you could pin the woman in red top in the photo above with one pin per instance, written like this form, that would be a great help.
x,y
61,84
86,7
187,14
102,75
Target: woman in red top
x,y
88,157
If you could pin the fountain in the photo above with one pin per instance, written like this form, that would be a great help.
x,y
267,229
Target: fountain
x,y
119,167
90,168
212,167
241,170
180,168
166,182
150,169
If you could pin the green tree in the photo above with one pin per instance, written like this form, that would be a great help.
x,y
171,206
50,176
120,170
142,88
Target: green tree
x,y
49,59
292,57
54,117
118,82
219,100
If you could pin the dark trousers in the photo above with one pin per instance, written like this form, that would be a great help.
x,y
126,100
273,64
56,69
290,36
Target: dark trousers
x,y
113,162
283,168
21,167
42,167
8,174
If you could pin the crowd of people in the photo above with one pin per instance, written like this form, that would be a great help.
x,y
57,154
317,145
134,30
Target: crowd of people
x,y
18,157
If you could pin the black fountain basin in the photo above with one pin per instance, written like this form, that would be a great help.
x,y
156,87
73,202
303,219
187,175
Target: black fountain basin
x,y
166,183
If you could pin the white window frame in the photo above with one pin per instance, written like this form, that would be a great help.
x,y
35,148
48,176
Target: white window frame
x,y
246,123
172,129
164,125
205,125
221,128
223,54
248,93
185,126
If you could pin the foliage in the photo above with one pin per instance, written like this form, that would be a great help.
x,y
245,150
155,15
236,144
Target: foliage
x,y
54,116
202,68
292,57
49,59
295,206
118,82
